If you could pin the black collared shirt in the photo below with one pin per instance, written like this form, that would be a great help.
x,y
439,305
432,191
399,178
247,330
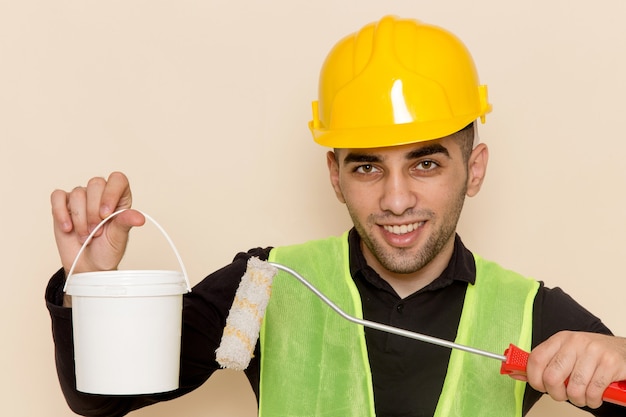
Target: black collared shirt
x,y
408,375
434,310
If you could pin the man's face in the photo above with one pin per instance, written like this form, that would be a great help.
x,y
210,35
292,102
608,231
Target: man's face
x,y
405,201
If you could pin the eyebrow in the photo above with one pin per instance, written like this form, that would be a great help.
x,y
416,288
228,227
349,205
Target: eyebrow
x,y
362,157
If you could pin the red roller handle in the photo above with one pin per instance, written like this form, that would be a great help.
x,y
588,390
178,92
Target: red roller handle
x,y
517,359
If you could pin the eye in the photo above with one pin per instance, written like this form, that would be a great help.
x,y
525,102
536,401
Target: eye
x,y
426,165
365,169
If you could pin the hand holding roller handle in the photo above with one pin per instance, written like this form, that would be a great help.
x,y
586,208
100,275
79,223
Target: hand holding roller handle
x,y
516,360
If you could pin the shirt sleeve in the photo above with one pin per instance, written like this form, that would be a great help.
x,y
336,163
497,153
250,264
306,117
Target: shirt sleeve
x,y
205,310
555,311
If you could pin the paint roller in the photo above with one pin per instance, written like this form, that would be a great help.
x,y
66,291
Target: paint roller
x,y
245,317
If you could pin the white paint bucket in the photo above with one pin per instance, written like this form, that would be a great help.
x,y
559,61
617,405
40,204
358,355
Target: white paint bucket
x,y
127,327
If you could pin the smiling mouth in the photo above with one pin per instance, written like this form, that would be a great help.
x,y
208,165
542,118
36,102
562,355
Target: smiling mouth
x,y
402,229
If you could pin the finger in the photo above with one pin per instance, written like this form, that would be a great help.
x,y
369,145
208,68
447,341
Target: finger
x,y
116,194
120,226
556,373
95,188
77,206
579,381
538,361
60,214
547,368
605,371
587,381
595,389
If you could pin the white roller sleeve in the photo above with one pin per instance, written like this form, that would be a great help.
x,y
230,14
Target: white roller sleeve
x,y
246,315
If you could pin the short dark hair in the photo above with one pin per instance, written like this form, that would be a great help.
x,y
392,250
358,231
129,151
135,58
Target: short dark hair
x,y
465,138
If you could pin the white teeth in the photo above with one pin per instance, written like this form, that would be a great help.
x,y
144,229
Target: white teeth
x,y
402,229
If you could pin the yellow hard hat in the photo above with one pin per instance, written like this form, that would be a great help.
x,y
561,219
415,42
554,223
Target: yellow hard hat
x,y
394,82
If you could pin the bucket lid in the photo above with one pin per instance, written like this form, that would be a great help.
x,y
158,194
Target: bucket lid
x,y
127,283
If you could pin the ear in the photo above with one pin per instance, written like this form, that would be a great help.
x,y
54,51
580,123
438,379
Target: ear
x,y
477,169
333,170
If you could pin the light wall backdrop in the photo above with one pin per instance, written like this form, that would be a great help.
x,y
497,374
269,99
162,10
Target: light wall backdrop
x,y
204,104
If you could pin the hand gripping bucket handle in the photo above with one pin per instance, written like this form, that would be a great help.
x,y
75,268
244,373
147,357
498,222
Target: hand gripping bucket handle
x,y
103,222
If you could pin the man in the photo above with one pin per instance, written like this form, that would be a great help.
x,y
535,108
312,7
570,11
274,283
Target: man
x,y
398,103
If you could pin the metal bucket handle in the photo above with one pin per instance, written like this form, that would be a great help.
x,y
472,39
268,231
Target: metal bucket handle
x,y
158,226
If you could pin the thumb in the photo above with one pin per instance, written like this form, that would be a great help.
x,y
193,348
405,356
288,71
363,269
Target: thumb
x,y
119,227
105,251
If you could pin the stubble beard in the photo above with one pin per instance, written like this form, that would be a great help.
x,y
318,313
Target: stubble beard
x,y
406,260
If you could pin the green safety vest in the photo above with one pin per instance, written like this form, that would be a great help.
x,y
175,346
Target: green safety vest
x,y
314,363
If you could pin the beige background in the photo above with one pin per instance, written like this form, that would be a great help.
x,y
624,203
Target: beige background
x,y
204,105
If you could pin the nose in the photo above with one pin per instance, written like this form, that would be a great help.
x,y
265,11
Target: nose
x,y
397,194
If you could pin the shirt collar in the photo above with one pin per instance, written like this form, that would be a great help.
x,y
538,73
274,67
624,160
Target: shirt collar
x,y
460,268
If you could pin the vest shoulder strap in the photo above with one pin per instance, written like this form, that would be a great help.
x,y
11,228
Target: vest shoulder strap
x,y
314,362
497,311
